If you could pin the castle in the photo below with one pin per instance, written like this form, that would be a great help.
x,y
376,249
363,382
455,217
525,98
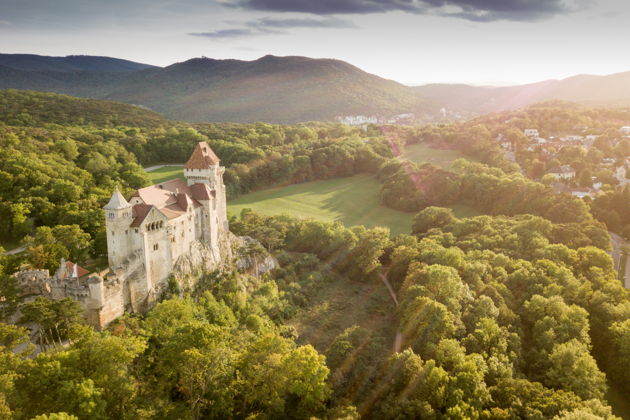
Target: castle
x,y
159,229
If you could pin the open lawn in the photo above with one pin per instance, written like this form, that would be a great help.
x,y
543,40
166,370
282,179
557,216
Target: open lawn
x,y
423,153
351,201
166,173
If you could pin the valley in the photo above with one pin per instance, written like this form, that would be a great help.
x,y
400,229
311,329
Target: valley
x,y
475,251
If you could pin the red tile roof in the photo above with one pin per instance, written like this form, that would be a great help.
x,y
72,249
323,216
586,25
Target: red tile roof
x,y
202,192
173,198
80,270
202,157
162,195
140,212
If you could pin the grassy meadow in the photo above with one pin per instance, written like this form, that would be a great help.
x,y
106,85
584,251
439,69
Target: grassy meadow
x,y
352,201
424,153
166,173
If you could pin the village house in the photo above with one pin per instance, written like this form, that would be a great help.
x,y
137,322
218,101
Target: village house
x,y
531,132
564,172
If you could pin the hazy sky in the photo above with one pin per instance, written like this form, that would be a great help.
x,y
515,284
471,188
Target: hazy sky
x,y
411,41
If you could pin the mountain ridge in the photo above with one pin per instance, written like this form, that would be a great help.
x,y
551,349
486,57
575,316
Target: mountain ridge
x,y
70,63
288,89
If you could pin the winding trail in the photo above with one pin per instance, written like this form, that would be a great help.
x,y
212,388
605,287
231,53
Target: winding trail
x,y
398,339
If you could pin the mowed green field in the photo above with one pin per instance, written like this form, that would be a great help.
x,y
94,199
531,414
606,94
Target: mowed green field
x,y
166,173
351,201
423,153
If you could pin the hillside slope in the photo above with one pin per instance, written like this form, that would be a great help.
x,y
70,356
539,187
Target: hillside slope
x,y
30,108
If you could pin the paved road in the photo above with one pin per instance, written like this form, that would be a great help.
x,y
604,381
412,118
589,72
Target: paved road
x,y
156,167
15,250
617,243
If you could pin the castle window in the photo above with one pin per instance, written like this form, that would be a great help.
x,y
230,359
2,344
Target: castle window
x,y
155,247
136,230
111,215
112,233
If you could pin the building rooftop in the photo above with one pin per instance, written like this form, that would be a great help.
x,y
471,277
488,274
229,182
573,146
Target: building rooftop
x,y
75,269
117,201
172,198
202,157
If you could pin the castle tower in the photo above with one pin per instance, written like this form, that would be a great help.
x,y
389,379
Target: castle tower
x,y
203,167
118,217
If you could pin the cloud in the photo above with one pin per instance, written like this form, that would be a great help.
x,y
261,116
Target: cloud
x,y
475,10
229,33
329,22
273,26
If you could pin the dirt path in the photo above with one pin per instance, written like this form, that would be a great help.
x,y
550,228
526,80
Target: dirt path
x,y
398,338
389,288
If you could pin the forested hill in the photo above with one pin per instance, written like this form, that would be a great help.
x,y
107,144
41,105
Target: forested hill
x,y
270,89
71,63
30,108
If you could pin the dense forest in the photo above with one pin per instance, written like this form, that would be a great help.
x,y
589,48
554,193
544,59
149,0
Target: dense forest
x,y
513,314
499,319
